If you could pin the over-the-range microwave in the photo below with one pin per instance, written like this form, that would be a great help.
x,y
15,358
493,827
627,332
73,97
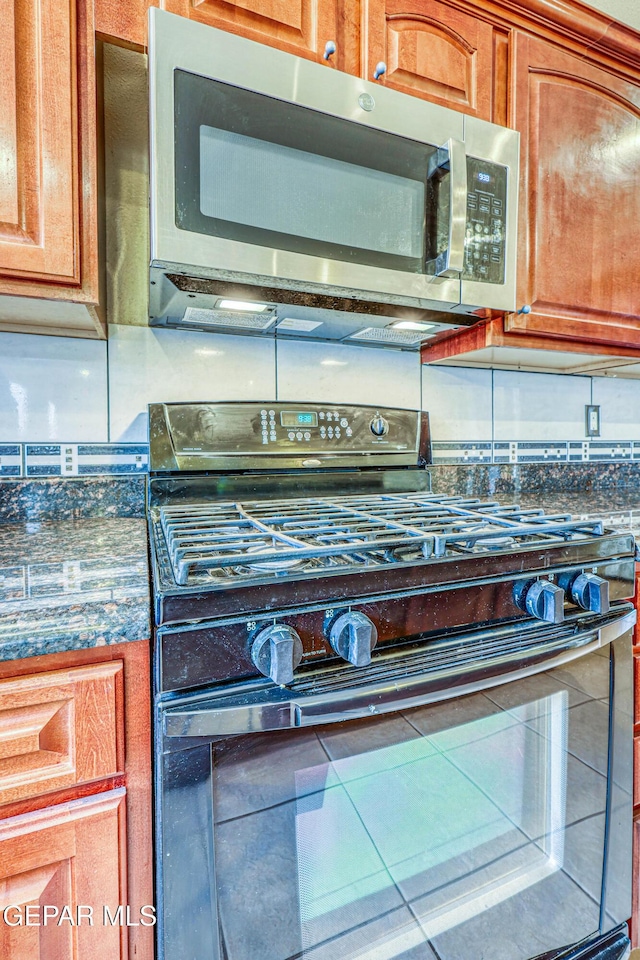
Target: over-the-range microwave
x,y
289,198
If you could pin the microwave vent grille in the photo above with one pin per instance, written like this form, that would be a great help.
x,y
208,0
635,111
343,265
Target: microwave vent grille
x,y
227,318
407,338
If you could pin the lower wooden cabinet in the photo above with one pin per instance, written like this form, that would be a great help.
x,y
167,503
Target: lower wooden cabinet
x,y
75,806
62,874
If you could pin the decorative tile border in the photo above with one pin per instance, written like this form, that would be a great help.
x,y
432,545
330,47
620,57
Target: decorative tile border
x,y
10,460
84,459
525,451
461,452
87,459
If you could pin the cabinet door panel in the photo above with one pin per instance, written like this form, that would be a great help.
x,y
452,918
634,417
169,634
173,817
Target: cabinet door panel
x,y
68,855
39,211
580,197
301,27
433,51
59,729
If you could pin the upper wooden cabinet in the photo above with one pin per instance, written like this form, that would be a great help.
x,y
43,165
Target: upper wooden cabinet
x,y
48,172
579,239
301,27
438,52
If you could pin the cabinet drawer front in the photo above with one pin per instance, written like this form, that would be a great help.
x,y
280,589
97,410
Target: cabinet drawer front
x,y
59,729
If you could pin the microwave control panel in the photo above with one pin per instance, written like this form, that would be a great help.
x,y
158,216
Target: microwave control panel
x,y
484,245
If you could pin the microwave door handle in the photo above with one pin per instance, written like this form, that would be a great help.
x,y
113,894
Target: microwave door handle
x,y
452,158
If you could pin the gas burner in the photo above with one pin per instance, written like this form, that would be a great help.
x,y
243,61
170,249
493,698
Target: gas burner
x,y
496,543
289,538
271,564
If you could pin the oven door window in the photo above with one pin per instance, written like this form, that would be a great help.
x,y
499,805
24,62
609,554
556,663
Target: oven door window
x,y
447,832
263,171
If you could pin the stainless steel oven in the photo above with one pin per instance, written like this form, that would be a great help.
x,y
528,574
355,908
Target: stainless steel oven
x,y
317,194
443,810
389,725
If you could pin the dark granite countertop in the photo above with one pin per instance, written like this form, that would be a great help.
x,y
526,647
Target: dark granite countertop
x,y
69,584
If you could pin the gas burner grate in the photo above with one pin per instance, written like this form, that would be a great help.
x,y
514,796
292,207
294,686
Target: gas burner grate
x,y
288,536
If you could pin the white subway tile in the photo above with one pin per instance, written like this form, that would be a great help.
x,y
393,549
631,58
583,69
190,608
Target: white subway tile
x,y
337,373
539,406
458,400
619,402
52,388
148,365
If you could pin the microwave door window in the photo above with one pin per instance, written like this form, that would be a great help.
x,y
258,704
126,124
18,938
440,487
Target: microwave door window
x,y
451,831
300,194
275,174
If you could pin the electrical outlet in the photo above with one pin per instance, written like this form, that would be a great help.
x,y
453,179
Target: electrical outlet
x,y
592,420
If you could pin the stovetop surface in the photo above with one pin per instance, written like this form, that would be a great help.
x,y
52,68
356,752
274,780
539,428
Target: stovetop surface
x,y
233,544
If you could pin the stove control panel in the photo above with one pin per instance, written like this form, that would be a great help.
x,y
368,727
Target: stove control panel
x,y
205,436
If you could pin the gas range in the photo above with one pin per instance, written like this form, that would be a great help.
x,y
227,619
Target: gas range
x,y
275,582
381,711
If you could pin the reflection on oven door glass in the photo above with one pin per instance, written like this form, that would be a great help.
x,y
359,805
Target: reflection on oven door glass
x,y
390,837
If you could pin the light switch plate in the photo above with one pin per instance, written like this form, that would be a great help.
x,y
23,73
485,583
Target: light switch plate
x,y
592,420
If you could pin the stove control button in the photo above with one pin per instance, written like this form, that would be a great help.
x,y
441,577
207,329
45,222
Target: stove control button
x,y
591,593
353,636
541,599
379,426
276,651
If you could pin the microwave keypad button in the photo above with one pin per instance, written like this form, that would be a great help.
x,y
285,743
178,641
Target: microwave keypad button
x,y
344,422
307,435
349,432
323,432
291,435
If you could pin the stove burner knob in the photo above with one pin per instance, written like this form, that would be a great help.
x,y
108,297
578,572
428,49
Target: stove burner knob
x,y
591,593
542,599
276,651
379,426
353,636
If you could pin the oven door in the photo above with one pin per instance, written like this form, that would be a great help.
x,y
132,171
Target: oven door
x,y
404,817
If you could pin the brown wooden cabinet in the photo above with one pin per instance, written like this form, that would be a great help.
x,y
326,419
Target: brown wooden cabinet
x,y
49,173
437,51
59,868
301,27
579,241
75,806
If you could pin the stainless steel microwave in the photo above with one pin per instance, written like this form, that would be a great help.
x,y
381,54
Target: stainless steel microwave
x,y
291,199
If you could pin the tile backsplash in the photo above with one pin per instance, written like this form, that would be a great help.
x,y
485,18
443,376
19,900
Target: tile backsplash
x,y
147,365
52,388
78,407
503,416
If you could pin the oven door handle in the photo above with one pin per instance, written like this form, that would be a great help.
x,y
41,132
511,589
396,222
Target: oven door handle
x,y
272,709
